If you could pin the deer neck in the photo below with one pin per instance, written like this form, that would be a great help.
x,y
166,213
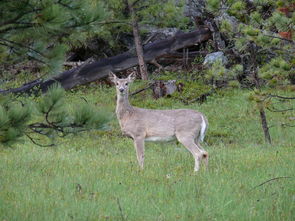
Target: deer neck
x,y
123,106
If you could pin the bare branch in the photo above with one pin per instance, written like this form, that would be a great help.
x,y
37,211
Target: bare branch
x,y
284,39
276,178
142,89
34,142
273,109
281,97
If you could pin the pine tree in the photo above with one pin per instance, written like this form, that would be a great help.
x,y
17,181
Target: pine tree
x,y
49,116
14,116
253,31
44,30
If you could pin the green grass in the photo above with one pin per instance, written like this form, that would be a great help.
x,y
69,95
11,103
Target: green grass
x,y
94,175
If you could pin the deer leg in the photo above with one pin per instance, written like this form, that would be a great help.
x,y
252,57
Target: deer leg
x,y
197,153
205,156
139,147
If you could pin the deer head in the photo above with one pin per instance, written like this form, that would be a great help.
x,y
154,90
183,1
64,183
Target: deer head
x,y
121,84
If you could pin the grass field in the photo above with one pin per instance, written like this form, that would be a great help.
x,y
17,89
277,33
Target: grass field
x,y
95,176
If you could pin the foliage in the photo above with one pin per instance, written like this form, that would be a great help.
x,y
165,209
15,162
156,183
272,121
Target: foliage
x,y
166,13
49,116
44,30
276,71
265,57
13,119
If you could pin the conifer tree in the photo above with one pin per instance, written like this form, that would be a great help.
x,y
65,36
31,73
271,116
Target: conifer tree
x,y
44,30
253,31
14,116
50,116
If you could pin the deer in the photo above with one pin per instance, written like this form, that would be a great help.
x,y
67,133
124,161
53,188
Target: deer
x,y
186,125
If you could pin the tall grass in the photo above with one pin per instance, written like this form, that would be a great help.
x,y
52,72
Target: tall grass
x,y
95,176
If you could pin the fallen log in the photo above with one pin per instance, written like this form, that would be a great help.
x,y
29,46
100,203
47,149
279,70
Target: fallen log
x,y
89,72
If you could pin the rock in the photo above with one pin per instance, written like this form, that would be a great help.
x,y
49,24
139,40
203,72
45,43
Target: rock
x,y
194,8
155,34
164,88
215,56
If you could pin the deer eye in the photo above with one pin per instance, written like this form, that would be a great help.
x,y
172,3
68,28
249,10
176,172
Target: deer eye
x,y
117,83
126,84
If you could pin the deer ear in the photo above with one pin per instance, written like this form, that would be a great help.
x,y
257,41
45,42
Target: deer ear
x,y
112,77
131,77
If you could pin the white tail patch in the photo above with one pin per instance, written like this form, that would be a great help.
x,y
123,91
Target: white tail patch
x,y
203,129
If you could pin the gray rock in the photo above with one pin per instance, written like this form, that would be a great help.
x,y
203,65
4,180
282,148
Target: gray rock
x,y
155,33
215,56
194,8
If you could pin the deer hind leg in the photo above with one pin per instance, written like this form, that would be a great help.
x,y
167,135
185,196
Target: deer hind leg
x,y
195,150
205,155
139,147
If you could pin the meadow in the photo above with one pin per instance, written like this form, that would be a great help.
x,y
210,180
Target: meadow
x,y
94,175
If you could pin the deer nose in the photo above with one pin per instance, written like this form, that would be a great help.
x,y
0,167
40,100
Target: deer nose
x,y
121,89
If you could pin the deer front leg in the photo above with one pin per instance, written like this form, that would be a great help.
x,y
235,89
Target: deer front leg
x,y
139,147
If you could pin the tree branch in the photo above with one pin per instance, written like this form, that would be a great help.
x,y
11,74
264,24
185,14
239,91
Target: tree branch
x,y
277,110
142,89
284,39
276,178
34,142
23,46
13,20
281,97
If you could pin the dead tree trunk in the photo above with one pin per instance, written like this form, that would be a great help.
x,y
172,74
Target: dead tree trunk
x,y
264,123
138,43
263,119
100,69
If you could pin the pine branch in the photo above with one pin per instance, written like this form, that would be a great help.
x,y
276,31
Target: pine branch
x,y
15,28
40,145
99,23
19,16
34,127
23,46
66,6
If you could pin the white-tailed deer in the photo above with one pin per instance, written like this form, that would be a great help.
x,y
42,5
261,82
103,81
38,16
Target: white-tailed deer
x,y
187,126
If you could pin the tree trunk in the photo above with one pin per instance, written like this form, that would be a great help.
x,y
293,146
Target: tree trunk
x,y
264,123
138,43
